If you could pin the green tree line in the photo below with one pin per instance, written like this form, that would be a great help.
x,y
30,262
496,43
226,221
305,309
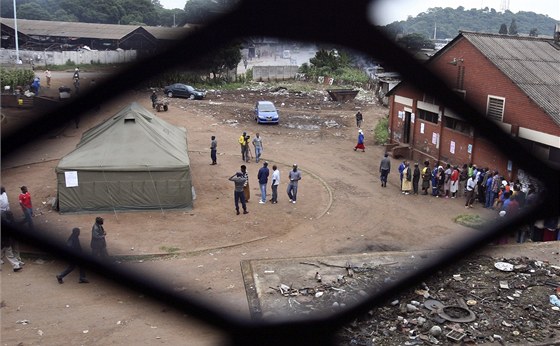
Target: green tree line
x,y
449,21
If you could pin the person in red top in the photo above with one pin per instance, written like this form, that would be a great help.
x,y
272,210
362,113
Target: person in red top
x,y
454,185
26,206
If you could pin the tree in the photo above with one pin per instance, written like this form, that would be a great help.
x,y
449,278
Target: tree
x,y
534,32
222,61
512,28
503,29
415,42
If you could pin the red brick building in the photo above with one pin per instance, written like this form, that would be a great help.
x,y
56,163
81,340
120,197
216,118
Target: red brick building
x,y
513,80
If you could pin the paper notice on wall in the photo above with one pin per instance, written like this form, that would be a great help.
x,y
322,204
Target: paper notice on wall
x,y
452,147
71,178
412,117
401,115
421,127
434,138
469,148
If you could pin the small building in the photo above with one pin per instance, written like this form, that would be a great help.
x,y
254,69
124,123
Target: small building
x,y
514,80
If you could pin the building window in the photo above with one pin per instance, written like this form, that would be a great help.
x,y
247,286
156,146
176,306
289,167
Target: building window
x,y
458,125
428,116
495,108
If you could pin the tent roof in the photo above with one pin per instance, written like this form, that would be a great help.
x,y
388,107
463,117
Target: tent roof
x,y
132,140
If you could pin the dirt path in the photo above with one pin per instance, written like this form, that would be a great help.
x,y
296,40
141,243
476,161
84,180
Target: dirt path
x,y
341,209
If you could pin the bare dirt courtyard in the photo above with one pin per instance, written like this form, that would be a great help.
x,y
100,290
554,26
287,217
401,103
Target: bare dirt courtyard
x,y
341,209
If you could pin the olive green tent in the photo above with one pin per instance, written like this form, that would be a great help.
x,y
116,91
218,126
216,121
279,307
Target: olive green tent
x,y
132,161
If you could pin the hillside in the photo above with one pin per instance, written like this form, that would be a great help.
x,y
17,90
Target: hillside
x,y
449,21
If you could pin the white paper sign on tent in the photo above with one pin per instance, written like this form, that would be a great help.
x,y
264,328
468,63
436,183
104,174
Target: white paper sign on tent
x,y
71,178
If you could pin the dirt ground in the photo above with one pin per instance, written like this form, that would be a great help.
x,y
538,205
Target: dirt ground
x,y
341,209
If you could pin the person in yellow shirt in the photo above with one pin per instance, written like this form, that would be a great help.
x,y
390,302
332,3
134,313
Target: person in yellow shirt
x,y
244,143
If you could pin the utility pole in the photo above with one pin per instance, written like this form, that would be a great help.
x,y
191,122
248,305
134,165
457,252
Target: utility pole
x,y
16,33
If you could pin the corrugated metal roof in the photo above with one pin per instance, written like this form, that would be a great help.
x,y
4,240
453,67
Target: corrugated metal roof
x,y
90,30
533,64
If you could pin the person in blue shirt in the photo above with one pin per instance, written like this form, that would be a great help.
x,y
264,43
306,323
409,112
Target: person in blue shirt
x,y
262,175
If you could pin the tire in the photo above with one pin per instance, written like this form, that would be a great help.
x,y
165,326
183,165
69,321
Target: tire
x,y
191,97
170,94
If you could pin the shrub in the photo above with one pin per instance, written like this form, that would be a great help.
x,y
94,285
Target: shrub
x,y
381,131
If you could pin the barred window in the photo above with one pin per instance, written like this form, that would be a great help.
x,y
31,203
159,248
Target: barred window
x,y
428,116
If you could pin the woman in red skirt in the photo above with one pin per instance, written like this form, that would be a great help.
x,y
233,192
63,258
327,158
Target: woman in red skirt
x,y
360,144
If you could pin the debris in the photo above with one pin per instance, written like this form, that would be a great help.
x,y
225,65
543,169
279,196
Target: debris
x,y
435,331
40,332
455,335
554,300
504,285
24,322
504,266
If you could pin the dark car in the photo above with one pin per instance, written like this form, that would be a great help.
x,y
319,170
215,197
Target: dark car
x,y
266,112
183,90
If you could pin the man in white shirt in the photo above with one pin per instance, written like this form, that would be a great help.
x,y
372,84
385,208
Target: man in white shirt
x,y
275,183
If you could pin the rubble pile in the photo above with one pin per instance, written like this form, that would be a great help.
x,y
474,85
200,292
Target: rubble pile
x,y
480,300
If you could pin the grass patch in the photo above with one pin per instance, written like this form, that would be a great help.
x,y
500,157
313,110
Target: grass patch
x,y
472,221
169,249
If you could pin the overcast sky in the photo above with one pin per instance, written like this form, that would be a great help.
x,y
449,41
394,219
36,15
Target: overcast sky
x,y
389,11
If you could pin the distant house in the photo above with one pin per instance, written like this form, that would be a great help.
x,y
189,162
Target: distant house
x,y
513,80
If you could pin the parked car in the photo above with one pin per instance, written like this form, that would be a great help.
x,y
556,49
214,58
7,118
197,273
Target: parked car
x,y
183,90
266,112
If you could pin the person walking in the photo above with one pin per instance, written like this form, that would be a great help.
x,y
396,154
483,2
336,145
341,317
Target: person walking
x,y
275,183
244,144
360,144
26,206
246,187
4,203
385,169
6,243
153,97
74,243
48,76
9,217
426,177
238,193
76,79
295,177
359,119
98,243
258,144
213,150
262,176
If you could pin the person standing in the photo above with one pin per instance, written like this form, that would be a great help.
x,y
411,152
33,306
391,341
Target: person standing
x,y
470,192
426,176
385,169
258,144
295,177
153,97
415,178
401,170
463,176
238,193
26,206
213,150
275,183
454,182
36,85
74,243
48,76
360,144
262,176
246,188
98,243
407,179
4,203
359,119
447,180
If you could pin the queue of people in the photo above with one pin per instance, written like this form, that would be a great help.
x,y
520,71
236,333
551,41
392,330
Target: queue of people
x,y
480,186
